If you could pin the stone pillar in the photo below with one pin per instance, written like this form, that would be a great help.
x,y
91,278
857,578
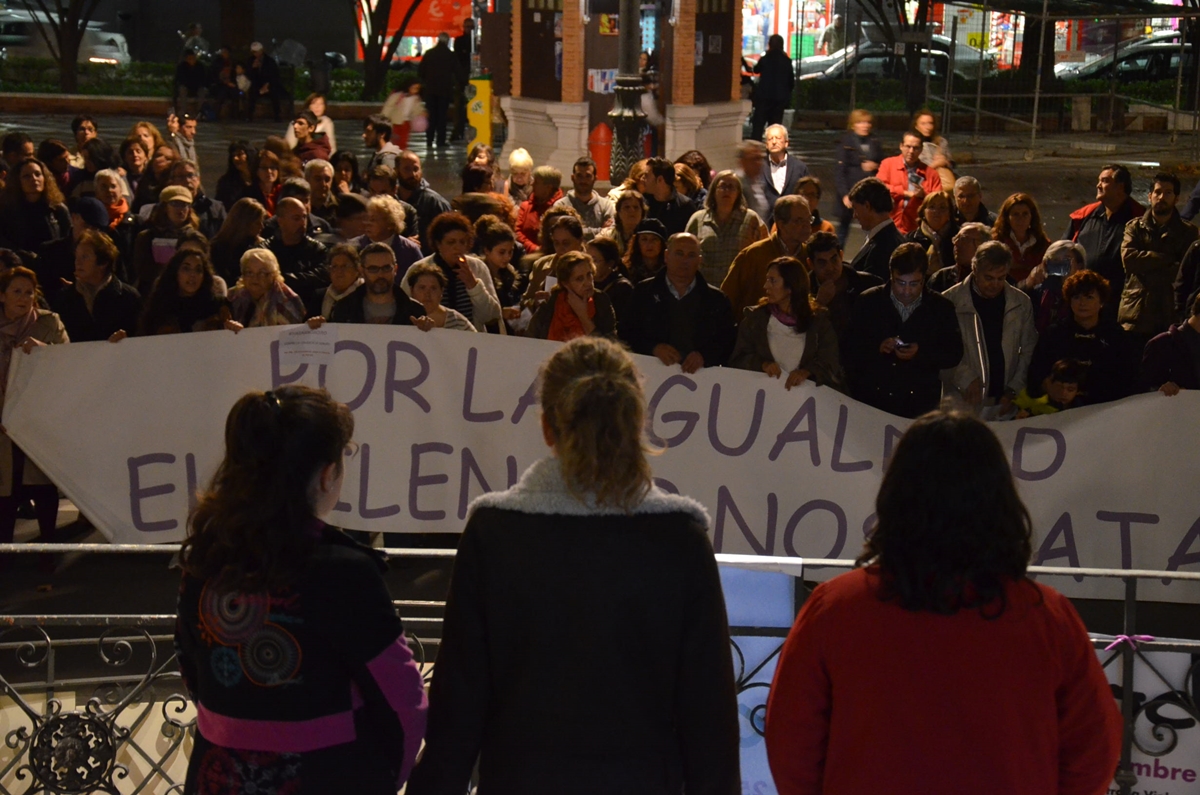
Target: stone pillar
x,y
715,128
554,133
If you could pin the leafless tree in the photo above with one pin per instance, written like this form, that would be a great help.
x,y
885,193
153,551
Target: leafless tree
x,y
62,25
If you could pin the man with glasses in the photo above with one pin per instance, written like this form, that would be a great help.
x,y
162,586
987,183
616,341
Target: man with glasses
x,y
908,181
900,337
380,299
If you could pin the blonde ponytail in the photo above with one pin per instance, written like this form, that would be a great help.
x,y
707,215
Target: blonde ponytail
x,y
593,403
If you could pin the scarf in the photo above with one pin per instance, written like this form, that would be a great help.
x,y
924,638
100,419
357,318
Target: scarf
x,y
116,212
565,325
782,317
279,307
11,334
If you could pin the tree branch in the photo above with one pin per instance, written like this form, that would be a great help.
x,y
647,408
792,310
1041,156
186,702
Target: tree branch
x,y
41,26
395,42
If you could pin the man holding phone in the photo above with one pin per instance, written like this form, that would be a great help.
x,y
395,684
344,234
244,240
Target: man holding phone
x,y
900,337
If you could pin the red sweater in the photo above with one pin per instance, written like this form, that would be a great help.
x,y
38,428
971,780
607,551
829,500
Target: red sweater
x,y
894,174
529,221
872,699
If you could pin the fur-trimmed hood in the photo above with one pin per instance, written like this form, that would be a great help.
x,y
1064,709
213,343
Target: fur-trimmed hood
x,y
542,490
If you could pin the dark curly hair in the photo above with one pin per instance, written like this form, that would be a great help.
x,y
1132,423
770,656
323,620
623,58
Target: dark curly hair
x,y
253,528
1084,282
950,532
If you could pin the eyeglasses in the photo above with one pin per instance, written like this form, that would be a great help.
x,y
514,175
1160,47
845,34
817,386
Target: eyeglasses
x,y
255,275
376,270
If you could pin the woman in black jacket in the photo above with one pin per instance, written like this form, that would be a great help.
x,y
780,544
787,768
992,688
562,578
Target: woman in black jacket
x,y
287,638
238,176
858,155
534,676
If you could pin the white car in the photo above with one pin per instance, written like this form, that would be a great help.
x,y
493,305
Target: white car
x,y
20,38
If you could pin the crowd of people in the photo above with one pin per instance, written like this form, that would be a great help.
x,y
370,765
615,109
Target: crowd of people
x,y
697,267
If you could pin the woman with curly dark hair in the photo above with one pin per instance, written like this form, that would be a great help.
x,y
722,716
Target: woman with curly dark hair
x,y
938,653
185,298
287,638
35,222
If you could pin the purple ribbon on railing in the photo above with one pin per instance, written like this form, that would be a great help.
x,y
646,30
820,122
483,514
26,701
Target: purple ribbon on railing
x,y
1132,640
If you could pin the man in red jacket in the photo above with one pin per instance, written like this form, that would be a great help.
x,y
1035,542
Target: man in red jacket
x,y
909,181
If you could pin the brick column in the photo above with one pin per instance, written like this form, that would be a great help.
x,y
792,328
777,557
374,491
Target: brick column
x,y
515,53
572,41
683,64
736,92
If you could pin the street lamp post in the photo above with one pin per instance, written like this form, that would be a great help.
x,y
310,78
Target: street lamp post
x,y
626,117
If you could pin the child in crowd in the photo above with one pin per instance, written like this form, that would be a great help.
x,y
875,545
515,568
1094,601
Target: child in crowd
x,y
1062,388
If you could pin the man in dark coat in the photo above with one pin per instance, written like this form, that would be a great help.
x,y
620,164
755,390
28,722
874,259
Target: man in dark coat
x,y
439,71
773,91
871,203
783,171
835,285
380,299
265,81
679,317
1100,227
664,202
97,305
901,336
301,257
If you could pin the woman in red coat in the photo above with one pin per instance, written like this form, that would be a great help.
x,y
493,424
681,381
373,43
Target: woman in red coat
x,y
937,665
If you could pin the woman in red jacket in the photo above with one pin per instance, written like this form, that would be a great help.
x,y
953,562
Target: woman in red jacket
x,y
938,665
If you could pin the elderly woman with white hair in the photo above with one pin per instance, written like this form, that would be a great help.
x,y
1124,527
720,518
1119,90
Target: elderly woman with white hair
x,y
260,298
385,224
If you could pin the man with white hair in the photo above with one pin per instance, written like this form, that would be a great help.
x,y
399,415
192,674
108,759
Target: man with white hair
x,y
322,201
783,170
996,321
968,203
967,240
439,71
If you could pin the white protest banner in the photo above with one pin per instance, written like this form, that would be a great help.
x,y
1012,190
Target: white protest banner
x,y
130,430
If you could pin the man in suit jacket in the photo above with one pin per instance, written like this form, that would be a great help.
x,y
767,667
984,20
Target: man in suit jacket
x,y
909,181
871,204
783,170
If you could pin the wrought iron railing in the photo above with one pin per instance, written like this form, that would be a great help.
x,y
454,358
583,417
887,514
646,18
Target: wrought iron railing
x,y
128,690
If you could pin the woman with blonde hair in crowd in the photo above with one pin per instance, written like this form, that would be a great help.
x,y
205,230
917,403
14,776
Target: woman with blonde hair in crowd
x,y
1019,227
575,308
519,184
260,298
385,224
858,154
584,550
150,136
724,227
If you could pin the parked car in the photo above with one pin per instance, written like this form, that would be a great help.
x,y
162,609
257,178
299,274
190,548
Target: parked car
x,y
20,37
1152,61
966,58
883,64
